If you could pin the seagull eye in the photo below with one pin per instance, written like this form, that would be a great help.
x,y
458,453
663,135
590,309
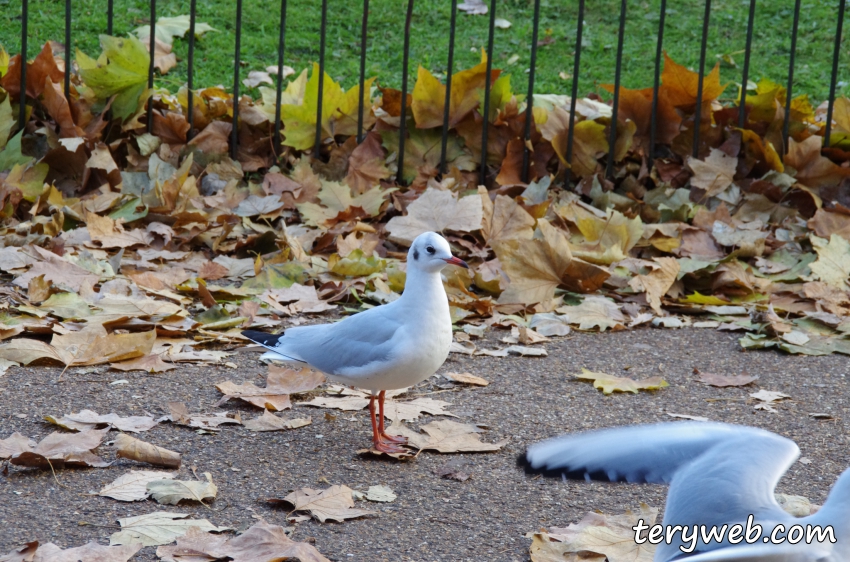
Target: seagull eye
x,y
430,250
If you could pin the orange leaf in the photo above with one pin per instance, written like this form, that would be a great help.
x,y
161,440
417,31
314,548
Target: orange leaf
x,y
429,95
813,170
681,85
636,105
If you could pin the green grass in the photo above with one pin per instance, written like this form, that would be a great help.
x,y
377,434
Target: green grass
x,y
429,39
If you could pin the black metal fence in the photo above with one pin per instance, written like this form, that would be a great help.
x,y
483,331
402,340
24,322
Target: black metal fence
x,y
493,7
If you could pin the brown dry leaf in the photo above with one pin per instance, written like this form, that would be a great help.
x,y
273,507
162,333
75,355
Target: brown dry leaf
x,y
725,380
90,552
138,450
535,267
14,445
195,546
147,363
768,399
657,282
609,383
813,170
265,542
132,486
335,503
25,351
437,211
446,436
609,535
94,346
59,449
87,419
467,378
594,312
715,174
180,415
504,219
270,422
61,273
280,381
159,527
367,167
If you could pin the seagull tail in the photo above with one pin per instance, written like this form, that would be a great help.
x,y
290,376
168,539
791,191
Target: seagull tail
x,y
269,341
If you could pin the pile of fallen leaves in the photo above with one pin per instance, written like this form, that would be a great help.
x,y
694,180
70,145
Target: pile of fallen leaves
x,y
140,248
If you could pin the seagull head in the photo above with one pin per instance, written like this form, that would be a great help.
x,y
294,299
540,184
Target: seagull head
x,y
430,252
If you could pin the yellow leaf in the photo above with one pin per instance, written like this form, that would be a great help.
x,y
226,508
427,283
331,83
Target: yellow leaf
x,y
657,282
300,119
609,383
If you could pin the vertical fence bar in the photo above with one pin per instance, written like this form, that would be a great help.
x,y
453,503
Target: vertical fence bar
x,y
22,100
322,41
281,42
402,126
68,49
152,47
444,142
703,46
742,107
786,122
615,106
486,113
574,93
190,94
659,51
234,130
529,109
110,16
833,82
364,28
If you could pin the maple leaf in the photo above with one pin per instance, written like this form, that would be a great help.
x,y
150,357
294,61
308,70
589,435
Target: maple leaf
x,y
594,312
813,169
59,449
158,528
682,85
270,422
657,282
833,263
132,486
172,492
422,151
38,71
335,503
264,541
7,121
589,141
121,71
299,119
337,203
87,419
608,239
429,95
148,363
447,436
636,106
167,28
535,267
609,383
715,174
437,211
367,166
504,219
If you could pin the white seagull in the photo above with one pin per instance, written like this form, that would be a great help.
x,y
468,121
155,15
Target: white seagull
x,y
718,474
392,346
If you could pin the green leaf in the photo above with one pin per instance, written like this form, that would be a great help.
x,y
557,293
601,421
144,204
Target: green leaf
x,y
121,71
29,179
698,298
277,276
7,121
300,120
11,155
129,211
355,264
609,383
67,305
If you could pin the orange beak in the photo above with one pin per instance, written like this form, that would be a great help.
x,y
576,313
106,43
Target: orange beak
x,y
457,261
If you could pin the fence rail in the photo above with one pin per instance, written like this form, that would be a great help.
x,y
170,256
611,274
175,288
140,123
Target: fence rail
x,y
493,7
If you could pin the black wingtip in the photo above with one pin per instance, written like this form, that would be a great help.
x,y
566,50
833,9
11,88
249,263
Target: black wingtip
x,y
523,463
261,338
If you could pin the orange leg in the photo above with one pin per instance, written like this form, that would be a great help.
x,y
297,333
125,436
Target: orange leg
x,y
377,443
384,434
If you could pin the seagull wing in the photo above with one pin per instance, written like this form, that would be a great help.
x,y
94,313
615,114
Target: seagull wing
x,y
360,343
766,553
645,453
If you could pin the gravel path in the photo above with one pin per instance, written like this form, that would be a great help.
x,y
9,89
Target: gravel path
x,y
433,519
